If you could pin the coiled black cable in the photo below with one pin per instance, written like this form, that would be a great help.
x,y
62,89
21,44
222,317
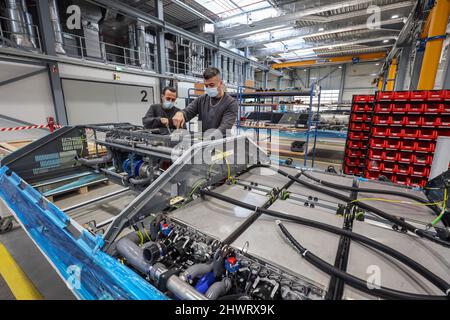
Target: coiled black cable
x,y
434,279
370,190
421,233
385,293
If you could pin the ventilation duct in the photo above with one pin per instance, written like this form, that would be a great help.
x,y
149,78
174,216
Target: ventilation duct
x,y
54,15
29,23
17,25
90,18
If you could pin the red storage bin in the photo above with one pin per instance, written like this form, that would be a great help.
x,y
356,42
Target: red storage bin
x,y
353,170
406,157
447,95
390,155
396,132
434,107
445,121
403,180
377,143
372,175
428,134
410,133
397,120
353,161
421,171
401,95
355,153
373,165
403,169
358,117
416,107
413,120
362,108
393,144
358,126
385,95
358,135
436,95
381,131
425,146
422,159
363,98
389,167
376,154
418,95
400,107
446,108
383,107
355,144
408,145
431,121
417,182
382,119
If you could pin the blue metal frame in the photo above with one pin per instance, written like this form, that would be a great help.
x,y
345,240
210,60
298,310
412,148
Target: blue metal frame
x,y
69,247
272,94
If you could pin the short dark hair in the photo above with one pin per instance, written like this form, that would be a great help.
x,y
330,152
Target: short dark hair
x,y
210,73
171,89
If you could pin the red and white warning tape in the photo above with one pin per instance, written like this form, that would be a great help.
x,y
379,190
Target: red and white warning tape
x,y
43,126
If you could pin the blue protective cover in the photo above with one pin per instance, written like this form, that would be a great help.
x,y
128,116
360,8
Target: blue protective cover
x,y
90,273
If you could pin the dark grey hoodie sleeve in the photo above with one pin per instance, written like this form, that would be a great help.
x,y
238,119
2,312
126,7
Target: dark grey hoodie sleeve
x,y
152,118
229,117
192,110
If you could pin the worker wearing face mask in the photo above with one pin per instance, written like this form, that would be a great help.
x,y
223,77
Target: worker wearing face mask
x,y
215,110
159,116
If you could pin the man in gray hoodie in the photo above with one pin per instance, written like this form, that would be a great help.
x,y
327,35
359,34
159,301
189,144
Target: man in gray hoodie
x,y
216,109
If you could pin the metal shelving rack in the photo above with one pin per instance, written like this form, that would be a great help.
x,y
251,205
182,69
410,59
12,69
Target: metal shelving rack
x,y
264,95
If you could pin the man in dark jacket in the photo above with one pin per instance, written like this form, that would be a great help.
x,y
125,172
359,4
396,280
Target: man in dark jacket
x,y
216,109
159,116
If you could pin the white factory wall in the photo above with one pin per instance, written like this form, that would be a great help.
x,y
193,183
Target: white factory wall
x,y
93,96
359,79
29,99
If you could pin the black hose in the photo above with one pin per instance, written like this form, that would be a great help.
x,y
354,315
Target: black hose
x,y
421,233
369,190
434,279
385,293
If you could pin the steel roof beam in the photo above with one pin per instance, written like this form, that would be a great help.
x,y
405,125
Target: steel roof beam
x,y
321,45
280,22
312,31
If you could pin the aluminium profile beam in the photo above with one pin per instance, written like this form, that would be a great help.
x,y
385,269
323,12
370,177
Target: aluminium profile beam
x,y
322,45
321,61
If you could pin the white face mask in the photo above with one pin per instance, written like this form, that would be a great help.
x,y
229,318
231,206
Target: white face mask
x,y
167,105
212,92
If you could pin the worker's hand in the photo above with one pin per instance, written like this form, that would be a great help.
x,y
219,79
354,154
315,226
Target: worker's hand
x,y
178,120
165,121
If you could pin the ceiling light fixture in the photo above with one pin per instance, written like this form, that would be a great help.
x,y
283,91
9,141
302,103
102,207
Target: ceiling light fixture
x,y
395,16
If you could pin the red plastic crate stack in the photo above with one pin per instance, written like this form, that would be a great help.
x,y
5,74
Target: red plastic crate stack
x,y
358,134
405,128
